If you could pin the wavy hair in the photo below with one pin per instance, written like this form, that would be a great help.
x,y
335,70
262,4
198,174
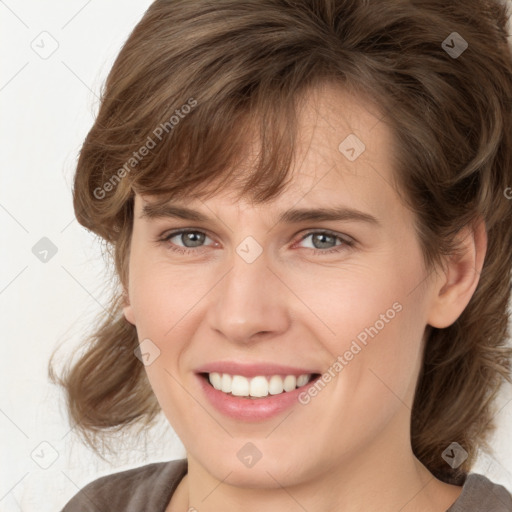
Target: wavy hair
x,y
195,75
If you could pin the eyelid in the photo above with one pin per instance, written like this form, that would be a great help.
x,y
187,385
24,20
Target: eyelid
x,y
178,231
342,236
347,241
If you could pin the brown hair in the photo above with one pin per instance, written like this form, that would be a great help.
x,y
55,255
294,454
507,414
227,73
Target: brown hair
x,y
247,63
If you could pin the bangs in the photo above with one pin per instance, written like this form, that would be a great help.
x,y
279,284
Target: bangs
x,y
247,146
205,96
197,139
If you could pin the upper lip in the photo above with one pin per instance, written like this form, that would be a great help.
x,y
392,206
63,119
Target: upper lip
x,y
252,369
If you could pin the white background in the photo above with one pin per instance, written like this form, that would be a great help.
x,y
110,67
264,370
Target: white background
x,y
47,107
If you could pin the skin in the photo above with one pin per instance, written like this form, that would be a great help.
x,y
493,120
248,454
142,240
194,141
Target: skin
x,y
349,448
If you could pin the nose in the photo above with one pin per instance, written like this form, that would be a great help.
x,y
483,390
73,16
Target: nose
x,y
250,303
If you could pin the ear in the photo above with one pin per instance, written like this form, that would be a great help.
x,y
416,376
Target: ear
x,y
454,289
127,308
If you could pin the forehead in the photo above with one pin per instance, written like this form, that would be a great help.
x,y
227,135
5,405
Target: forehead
x,y
343,155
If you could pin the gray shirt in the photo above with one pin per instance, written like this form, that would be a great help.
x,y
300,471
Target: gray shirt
x,y
149,488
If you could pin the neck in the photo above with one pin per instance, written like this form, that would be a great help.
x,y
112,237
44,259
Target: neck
x,y
386,473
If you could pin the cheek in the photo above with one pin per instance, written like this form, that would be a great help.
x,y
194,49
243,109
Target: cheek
x,y
384,373
377,316
358,301
161,294
393,352
378,375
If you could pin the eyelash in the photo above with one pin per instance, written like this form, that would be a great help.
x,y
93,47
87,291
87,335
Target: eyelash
x,y
346,243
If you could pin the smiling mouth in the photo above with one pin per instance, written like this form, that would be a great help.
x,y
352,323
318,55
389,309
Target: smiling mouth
x,y
259,387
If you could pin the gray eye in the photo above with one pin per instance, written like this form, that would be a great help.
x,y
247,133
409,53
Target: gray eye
x,y
192,238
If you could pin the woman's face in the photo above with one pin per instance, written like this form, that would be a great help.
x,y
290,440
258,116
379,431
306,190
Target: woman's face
x,y
246,294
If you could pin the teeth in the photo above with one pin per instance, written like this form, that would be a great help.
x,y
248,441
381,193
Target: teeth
x,y
239,386
302,379
226,383
290,383
275,385
258,386
216,380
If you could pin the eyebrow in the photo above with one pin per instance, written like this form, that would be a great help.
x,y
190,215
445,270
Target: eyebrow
x,y
293,216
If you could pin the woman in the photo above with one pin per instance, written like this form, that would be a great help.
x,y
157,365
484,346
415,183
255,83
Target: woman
x,y
306,204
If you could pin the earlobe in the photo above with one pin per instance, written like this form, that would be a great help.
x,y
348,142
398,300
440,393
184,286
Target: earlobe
x,y
127,309
460,278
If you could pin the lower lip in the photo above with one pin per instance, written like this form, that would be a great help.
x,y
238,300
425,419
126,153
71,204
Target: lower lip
x,y
247,409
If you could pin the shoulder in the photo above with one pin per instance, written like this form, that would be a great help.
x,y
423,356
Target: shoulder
x,y
480,493
149,486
